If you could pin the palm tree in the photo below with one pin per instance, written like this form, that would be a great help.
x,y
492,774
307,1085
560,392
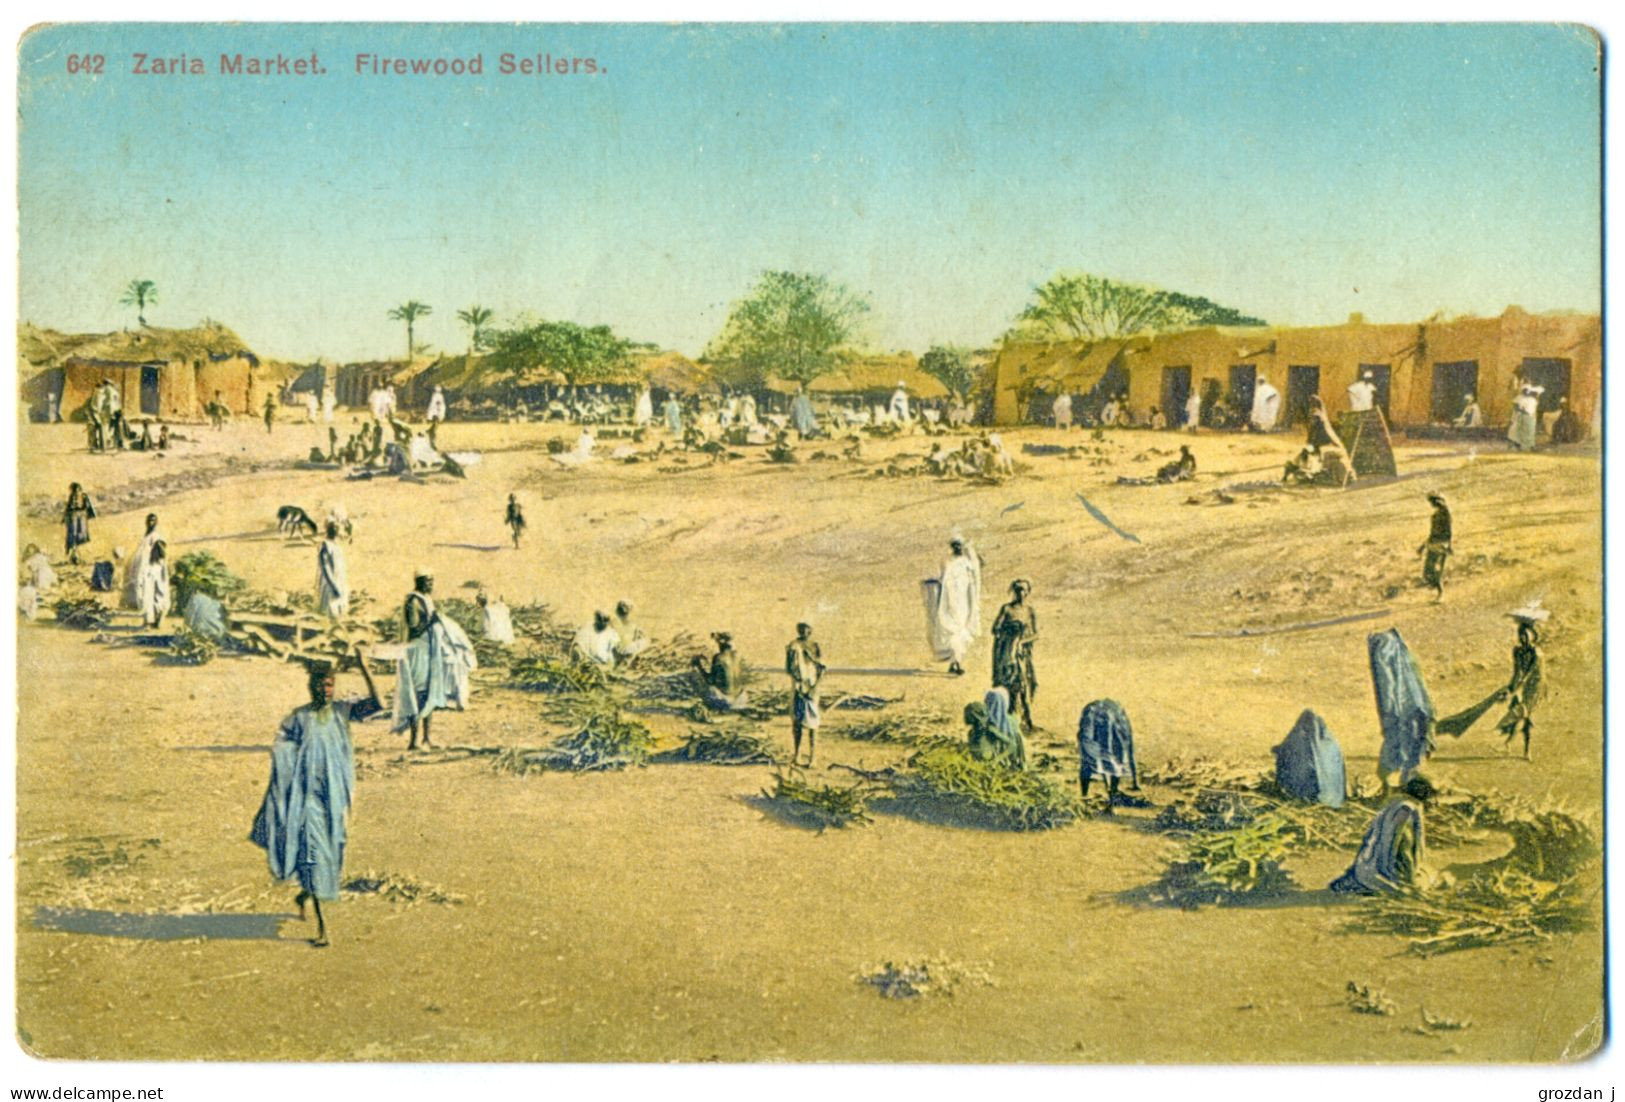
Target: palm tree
x,y
140,293
410,312
476,318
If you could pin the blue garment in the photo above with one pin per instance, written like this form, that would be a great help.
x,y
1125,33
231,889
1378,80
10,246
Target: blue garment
x,y
303,821
801,415
1390,853
1309,763
1106,741
206,616
432,672
1402,703
674,417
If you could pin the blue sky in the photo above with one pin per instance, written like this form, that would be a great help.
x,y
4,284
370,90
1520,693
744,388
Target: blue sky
x,y
1297,172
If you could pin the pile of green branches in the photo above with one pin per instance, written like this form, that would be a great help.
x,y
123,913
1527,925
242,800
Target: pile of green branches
x,y
604,738
82,613
905,728
1222,866
823,805
943,772
726,747
189,648
537,671
201,572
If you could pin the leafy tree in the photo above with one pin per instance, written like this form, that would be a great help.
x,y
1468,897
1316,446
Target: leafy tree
x,y
579,353
140,293
476,318
790,325
950,365
410,312
1093,307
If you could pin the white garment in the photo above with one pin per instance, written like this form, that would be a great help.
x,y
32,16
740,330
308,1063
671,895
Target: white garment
x,y
1002,460
1193,411
1362,395
498,622
747,409
1266,406
311,406
1470,417
437,406
138,567
1062,411
378,402
899,404
154,593
329,400
598,646
1108,413
643,411
423,453
332,581
956,621
40,574
28,602
584,445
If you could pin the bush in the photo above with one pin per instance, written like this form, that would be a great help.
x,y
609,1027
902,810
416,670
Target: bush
x,y
201,572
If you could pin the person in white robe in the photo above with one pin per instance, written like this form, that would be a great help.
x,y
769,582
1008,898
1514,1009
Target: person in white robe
x,y
953,604
747,410
140,563
1002,463
643,409
1062,411
155,587
1470,417
1193,412
437,406
390,402
377,403
631,640
329,402
37,568
433,671
899,403
595,643
28,602
422,453
496,621
1266,405
1362,393
332,577
312,406
1524,410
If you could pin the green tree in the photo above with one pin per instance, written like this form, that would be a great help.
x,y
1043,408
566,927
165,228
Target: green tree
x,y
140,293
580,353
1092,307
410,312
791,324
476,318
951,366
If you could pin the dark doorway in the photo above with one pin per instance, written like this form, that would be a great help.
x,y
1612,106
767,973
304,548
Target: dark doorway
x,y
1452,382
149,391
1302,384
1176,391
1551,374
1243,378
1382,376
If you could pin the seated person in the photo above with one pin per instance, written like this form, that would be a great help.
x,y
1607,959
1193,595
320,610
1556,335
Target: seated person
x,y
722,680
594,644
993,732
497,621
1390,856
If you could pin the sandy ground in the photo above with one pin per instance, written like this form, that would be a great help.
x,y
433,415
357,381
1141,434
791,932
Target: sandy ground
x,y
659,914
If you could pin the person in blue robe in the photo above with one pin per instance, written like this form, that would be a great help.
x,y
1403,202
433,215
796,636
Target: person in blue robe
x,y
1106,747
303,822
993,731
1309,763
1390,854
1403,705
433,670
673,412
